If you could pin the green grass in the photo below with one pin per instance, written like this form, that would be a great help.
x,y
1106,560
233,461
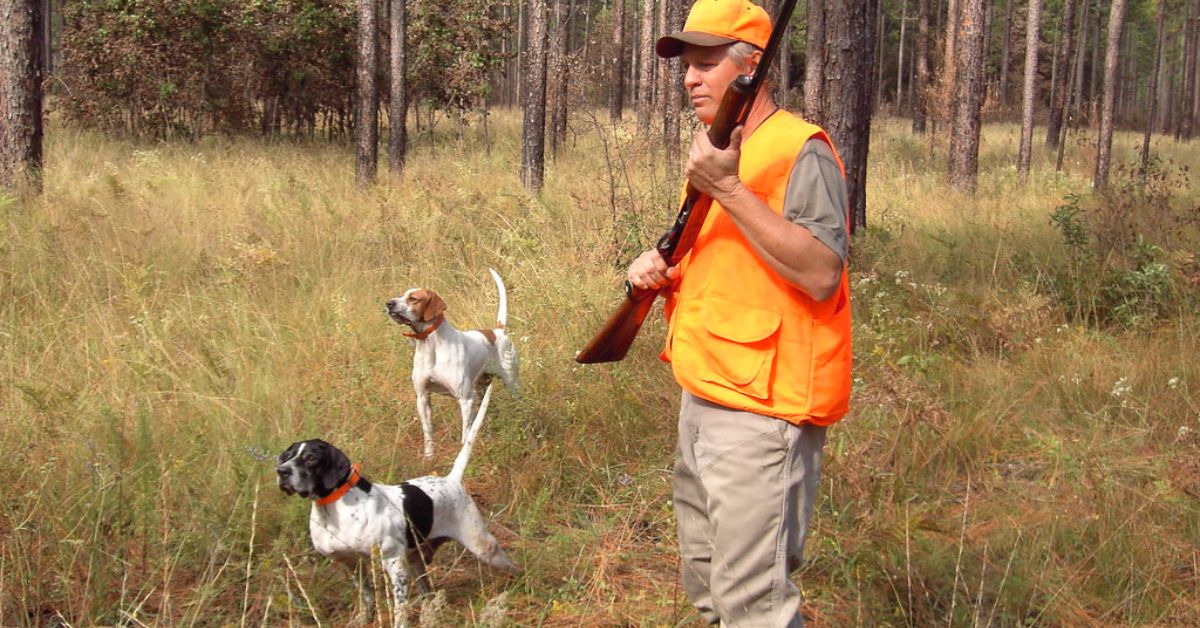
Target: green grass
x,y
173,315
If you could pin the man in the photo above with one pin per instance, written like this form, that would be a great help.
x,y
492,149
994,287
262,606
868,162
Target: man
x,y
758,334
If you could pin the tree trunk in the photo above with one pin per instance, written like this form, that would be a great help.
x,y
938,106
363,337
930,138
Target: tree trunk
x,y
877,66
1058,103
920,93
616,96
366,128
844,99
1080,58
1029,87
814,64
556,74
673,21
1184,127
1195,114
533,130
1006,52
21,96
946,88
1116,21
646,72
1093,100
900,57
398,98
1152,90
968,98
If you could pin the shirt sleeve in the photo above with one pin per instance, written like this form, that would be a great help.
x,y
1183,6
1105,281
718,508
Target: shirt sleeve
x,y
816,196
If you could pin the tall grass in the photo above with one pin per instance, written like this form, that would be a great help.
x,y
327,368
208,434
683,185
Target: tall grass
x,y
175,314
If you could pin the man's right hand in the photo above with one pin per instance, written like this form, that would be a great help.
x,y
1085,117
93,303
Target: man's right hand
x,y
650,272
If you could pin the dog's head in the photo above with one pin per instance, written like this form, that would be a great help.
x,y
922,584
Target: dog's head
x,y
312,469
416,306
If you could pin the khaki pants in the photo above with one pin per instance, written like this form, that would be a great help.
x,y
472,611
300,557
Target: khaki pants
x,y
744,486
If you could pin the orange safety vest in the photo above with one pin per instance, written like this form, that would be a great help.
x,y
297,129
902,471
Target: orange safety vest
x,y
738,334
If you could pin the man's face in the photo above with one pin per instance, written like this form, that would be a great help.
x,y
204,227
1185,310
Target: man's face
x,y
710,70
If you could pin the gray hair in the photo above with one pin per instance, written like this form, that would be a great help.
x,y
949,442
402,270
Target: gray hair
x,y
740,52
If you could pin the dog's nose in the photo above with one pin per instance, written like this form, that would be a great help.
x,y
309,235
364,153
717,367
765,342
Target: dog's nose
x,y
283,472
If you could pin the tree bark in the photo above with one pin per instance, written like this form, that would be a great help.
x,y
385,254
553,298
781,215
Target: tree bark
x,y
1116,21
1185,129
366,129
814,65
1080,58
398,98
968,100
673,22
1152,89
1093,100
1058,103
616,96
1006,52
900,57
646,71
21,96
920,93
1029,87
844,98
946,88
533,134
556,76
877,66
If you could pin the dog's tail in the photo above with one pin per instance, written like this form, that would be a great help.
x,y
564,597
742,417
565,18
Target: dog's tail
x,y
460,463
502,311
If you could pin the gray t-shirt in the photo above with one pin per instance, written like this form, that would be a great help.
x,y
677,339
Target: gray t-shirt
x,y
816,196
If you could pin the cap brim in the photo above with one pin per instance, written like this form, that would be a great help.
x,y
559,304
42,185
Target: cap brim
x,y
669,46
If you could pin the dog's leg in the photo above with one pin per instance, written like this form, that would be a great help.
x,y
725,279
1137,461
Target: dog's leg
x,y
466,405
398,576
425,413
366,594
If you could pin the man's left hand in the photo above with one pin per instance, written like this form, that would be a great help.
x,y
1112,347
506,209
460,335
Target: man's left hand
x,y
714,171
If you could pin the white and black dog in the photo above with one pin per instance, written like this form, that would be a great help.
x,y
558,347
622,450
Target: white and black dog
x,y
450,361
351,515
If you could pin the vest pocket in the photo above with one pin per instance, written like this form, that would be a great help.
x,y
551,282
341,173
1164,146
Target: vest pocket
x,y
739,347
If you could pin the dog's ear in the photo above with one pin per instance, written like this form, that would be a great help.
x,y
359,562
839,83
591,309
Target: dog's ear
x,y
434,306
334,469
288,453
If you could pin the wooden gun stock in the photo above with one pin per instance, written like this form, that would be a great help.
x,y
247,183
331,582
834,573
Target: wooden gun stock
x,y
612,342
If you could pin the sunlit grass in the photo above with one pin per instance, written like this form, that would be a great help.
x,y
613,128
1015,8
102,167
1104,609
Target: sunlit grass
x,y
173,315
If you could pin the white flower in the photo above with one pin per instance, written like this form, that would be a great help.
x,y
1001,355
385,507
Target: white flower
x,y
1173,383
1121,388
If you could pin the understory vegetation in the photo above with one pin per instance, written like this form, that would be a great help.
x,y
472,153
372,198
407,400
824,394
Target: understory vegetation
x,y
1023,449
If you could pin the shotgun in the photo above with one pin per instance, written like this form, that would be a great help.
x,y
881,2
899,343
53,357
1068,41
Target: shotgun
x,y
613,340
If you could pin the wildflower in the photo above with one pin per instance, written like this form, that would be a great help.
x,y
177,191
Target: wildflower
x,y
1173,383
1121,388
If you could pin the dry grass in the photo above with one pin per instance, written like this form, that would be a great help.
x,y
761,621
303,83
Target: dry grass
x,y
174,315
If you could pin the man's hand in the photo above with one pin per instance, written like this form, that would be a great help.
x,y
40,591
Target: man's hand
x,y
714,171
650,272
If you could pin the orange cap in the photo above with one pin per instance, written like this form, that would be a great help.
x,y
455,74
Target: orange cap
x,y
718,22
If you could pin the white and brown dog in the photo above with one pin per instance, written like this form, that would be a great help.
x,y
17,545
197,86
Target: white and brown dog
x,y
351,515
453,362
